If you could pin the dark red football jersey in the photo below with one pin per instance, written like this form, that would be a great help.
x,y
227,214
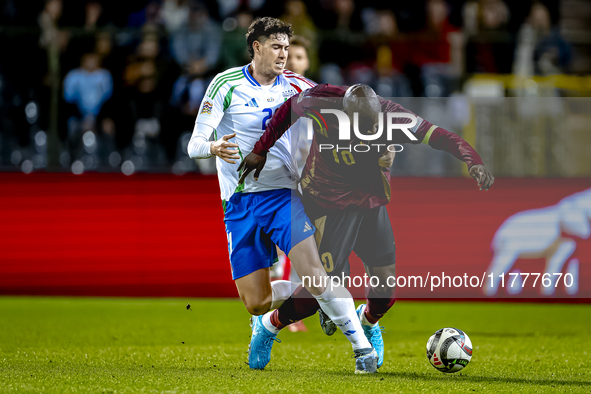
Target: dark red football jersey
x,y
342,174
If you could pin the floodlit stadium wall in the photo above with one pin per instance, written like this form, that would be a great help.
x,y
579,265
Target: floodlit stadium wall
x,y
163,235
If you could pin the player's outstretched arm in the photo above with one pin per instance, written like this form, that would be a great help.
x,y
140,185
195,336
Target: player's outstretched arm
x,y
441,139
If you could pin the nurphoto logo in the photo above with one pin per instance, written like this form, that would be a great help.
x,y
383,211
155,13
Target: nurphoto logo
x,y
345,131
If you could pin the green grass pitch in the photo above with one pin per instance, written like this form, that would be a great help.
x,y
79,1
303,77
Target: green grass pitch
x,y
124,345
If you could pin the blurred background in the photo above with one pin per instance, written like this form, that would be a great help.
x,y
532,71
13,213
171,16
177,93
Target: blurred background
x,y
114,86
110,88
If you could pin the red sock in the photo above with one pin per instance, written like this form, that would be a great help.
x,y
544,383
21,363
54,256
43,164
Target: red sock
x,y
300,305
377,304
275,320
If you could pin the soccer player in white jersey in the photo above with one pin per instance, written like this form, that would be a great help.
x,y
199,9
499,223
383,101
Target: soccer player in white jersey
x,y
261,213
297,62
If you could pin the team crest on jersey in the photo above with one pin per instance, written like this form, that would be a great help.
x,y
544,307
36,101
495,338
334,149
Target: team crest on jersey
x,y
207,107
270,99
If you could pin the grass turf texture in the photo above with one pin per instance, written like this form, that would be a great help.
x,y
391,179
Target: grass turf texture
x,y
61,345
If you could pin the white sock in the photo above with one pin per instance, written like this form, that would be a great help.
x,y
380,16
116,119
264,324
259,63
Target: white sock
x,y
268,325
282,290
338,304
364,320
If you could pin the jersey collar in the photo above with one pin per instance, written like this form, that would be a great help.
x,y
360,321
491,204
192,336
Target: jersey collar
x,y
253,81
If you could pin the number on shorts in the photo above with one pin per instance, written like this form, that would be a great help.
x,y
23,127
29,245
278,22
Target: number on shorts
x,y
327,262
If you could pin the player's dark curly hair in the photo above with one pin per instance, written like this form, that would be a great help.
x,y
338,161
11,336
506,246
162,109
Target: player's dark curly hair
x,y
262,28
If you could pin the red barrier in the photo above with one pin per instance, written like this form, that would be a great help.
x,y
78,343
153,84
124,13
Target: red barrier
x,y
108,234
162,235
447,226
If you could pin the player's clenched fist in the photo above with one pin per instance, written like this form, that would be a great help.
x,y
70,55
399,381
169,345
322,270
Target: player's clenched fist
x,y
222,149
482,175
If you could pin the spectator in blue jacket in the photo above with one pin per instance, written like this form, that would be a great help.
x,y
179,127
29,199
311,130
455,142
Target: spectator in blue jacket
x,y
89,86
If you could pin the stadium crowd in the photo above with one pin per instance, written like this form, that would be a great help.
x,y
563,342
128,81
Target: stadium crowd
x,y
121,81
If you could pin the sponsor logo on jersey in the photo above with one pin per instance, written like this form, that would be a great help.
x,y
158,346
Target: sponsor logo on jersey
x,y
307,227
270,99
252,103
207,107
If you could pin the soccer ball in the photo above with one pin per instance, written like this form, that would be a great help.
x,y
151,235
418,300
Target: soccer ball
x,y
449,350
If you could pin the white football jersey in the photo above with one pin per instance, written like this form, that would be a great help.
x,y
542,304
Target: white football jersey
x,y
236,103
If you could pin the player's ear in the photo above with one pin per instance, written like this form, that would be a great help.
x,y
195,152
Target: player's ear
x,y
256,46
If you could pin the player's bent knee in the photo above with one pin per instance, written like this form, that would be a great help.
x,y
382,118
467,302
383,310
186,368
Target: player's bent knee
x,y
257,307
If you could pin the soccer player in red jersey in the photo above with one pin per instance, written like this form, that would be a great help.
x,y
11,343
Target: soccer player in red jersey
x,y
346,185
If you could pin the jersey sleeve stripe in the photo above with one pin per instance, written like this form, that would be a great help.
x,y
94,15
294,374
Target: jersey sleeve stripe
x,y
306,81
220,78
228,98
289,74
296,87
212,92
227,80
220,81
428,135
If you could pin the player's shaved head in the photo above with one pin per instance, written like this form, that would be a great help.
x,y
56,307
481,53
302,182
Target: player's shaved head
x,y
363,100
